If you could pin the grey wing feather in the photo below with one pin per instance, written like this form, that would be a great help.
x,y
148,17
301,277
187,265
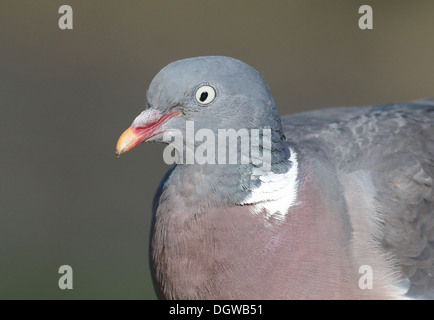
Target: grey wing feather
x,y
396,144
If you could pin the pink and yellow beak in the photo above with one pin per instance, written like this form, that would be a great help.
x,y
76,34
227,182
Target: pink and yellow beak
x,y
135,135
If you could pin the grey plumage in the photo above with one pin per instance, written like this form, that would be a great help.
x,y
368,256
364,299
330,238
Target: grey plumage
x,y
362,193
394,145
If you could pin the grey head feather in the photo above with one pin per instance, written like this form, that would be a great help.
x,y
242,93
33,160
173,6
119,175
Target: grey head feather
x,y
242,94
243,101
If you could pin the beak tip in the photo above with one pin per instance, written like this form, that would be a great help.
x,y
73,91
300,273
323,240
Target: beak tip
x,y
126,142
120,150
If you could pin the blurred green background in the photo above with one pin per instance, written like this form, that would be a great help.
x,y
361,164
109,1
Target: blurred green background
x,y
67,95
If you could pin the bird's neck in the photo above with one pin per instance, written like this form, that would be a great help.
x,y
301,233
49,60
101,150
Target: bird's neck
x,y
213,184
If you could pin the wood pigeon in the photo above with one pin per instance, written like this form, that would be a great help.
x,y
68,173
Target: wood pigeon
x,y
329,204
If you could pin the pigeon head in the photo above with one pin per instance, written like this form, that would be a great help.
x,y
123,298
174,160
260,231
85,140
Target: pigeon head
x,y
212,92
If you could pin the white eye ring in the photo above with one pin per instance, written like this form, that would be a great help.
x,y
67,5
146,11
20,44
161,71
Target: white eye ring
x,y
205,94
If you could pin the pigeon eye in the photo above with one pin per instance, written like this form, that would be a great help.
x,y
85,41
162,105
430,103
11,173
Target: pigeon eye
x,y
205,94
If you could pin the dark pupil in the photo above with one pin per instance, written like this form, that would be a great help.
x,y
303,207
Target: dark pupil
x,y
203,96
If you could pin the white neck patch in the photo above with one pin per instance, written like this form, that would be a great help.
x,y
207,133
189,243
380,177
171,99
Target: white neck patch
x,y
277,193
